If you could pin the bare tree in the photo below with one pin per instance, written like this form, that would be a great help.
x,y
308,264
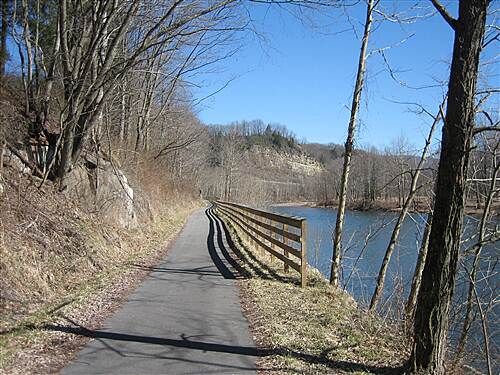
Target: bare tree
x,y
417,274
96,44
356,99
3,36
231,155
476,249
404,211
438,281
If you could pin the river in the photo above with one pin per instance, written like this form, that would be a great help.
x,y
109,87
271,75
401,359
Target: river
x,y
362,259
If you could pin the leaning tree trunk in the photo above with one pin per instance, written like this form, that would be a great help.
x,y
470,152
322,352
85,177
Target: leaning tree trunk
x,y
438,281
337,241
417,274
3,37
379,287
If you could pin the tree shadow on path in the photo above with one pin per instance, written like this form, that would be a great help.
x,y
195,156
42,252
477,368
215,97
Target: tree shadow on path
x,y
185,342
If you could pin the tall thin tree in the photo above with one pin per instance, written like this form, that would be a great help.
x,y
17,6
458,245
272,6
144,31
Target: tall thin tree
x,y
3,36
402,215
349,145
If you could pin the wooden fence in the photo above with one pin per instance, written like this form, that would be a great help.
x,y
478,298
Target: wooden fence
x,y
280,235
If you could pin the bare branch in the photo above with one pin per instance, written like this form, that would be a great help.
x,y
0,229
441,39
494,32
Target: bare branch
x,y
482,129
444,13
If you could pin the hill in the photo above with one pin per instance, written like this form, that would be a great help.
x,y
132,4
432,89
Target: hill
x,y
258,163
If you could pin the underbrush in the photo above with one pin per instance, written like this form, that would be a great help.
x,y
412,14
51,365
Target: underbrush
x,y
314,330
56,257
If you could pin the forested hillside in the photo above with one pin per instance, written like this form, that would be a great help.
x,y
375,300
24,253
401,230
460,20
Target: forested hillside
x,y
104,156
258,163
251,161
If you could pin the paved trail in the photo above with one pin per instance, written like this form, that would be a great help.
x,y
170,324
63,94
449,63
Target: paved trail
x,y
184,319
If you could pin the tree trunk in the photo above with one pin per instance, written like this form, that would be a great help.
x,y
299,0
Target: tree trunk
x,y
139,136
123,114
3,37
337,242
402,215
66,151
417,275
28,76
438,281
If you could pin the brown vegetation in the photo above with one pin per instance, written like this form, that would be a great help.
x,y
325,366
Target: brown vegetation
x,y
313,330
100,149
56,255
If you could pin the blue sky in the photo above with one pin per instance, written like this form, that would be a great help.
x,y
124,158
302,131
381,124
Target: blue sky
x,y
303,76
300,73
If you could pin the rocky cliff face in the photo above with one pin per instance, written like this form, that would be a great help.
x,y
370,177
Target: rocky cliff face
x,y
268,175
103,185
282,164
9,159
95,183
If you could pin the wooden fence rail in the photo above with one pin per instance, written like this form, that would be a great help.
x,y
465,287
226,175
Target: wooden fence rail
x,y
282,236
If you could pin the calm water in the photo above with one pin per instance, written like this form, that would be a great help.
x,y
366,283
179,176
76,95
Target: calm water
x,y
362,261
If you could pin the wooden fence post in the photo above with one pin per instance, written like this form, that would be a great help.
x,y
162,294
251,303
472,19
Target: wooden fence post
x,y
271,234
253,244
285,252
303,254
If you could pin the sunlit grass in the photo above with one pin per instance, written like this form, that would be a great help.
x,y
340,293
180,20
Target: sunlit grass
x,y
78,289
313,330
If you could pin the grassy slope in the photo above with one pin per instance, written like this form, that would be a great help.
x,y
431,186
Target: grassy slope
x,y
60,263
315,330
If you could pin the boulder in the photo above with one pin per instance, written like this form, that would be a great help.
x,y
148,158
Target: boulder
x,y
11,160
101,186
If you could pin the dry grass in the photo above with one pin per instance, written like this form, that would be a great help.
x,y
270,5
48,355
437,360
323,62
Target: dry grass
x,y
58,257
59,260
315,330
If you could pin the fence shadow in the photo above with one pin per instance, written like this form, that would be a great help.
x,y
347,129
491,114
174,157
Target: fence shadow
x,y
248,263
221,266
232,258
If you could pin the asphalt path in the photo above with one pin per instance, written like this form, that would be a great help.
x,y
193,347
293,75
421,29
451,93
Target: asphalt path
x,y
185,318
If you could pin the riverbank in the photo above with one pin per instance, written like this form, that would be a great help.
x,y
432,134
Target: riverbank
x,y
387,206
314,330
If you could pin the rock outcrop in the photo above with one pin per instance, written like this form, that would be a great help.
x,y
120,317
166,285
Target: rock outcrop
x,y
103,185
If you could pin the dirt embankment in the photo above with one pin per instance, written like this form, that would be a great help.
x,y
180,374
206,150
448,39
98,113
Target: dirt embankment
x,y
63,257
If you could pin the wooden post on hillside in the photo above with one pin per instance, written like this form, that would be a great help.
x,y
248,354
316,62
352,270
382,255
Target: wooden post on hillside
x,y
247,236
271,234
285,252
253,244
303,254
